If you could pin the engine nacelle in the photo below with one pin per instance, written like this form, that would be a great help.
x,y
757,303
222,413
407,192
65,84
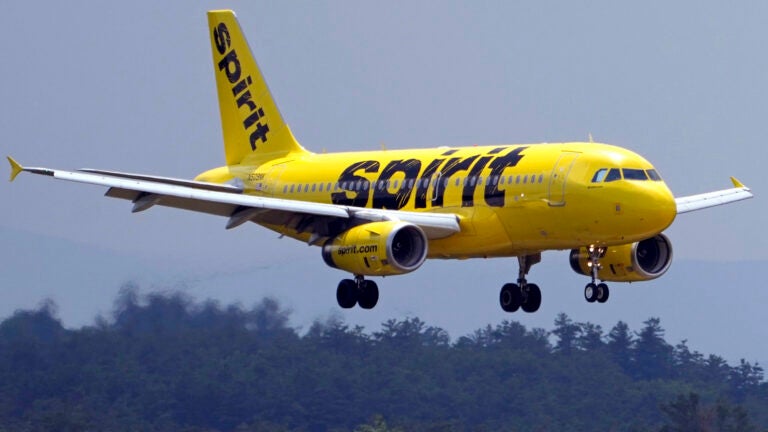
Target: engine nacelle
x,y
377,249
640,261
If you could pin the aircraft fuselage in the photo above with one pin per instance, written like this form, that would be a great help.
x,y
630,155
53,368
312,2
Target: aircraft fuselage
x,y
511,199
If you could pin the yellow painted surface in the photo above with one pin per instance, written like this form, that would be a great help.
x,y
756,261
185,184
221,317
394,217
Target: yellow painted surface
x,y
511,199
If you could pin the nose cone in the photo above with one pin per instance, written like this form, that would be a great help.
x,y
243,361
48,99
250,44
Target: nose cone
x,y
656,207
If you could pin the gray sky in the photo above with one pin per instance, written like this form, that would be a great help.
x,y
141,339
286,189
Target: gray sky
x,y
130,86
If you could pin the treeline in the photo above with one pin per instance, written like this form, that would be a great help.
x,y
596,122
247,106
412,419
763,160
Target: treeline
x,y
164,362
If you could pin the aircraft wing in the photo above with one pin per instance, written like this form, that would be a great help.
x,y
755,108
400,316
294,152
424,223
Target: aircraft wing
x,y
711,199
318,219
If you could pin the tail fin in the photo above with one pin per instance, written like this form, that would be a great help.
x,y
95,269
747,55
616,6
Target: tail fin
x,y
254,130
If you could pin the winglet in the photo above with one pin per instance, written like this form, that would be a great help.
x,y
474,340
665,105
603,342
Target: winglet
x,y
737,183
16,168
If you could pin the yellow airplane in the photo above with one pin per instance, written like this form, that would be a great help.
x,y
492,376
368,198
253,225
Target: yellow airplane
x,y
382,213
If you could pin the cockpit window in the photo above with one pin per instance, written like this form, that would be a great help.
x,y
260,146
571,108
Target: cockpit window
x,y
653,175
599,175
613,175
634,174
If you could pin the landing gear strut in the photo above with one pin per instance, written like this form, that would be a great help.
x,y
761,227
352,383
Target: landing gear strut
x,y
358,291
596,292
522,294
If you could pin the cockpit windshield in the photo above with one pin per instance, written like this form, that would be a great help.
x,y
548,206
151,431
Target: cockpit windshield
x,y
605,175
634,174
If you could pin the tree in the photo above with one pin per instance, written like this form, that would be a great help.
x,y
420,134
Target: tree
x,y
745,377
686,414
567,333
620,342
683,414
590,337
377,424
653,355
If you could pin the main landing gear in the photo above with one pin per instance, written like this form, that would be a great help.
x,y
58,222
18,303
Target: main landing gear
x,y
596,292
522,294
358,291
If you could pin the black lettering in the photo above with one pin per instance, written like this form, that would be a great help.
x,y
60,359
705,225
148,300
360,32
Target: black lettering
x,y
259,133
227,63
221,38
450,168
422,185
361,196
245,99
493,196
382,198
242,85
253,118
468,194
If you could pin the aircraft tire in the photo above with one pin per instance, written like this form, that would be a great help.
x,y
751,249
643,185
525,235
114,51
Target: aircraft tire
x,y
590,292
603,293
368,295
532,300
510,297
346,294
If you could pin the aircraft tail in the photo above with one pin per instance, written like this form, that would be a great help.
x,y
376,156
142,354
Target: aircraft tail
x,y
253,129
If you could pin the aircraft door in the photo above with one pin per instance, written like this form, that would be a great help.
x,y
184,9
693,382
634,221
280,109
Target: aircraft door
x,y
273,179
558,178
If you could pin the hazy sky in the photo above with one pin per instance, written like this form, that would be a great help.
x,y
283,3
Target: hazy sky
x,y
129,86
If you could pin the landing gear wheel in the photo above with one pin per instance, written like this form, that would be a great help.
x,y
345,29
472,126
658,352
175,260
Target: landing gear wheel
x,y
602,293
590,292
510,297
346,293
531,298
368,295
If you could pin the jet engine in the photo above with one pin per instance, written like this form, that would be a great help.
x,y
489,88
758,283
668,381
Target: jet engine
x,y
640,261
377,249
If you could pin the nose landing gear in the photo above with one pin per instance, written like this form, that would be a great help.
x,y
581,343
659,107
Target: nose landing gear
x,y
596,292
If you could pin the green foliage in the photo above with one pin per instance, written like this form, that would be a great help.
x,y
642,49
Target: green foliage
x,y
686,414
165,362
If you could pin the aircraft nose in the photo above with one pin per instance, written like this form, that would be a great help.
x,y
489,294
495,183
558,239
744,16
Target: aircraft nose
x,y
660,207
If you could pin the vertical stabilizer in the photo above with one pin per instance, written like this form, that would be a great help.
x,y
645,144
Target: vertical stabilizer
x,y
254,130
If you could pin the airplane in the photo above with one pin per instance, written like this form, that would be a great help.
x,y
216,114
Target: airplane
x,y
383,213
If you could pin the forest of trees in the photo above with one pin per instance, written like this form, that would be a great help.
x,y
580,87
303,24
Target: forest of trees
x,y
164,362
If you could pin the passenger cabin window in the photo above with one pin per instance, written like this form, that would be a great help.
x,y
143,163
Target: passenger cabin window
x,y
653,175
613,175
634,174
